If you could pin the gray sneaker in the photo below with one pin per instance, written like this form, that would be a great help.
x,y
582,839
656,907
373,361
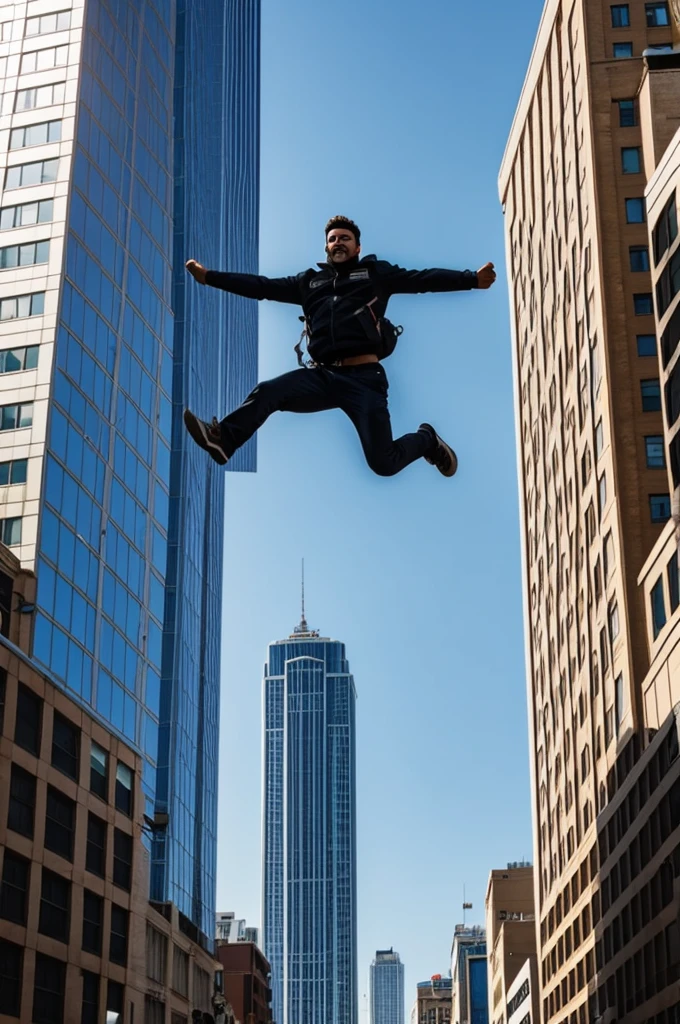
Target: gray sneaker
x,y
207,436
442,455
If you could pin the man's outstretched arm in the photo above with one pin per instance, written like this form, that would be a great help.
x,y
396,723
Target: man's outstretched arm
x,y
409,282
252,286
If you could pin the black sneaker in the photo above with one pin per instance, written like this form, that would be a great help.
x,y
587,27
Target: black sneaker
x,y
207,436
442,455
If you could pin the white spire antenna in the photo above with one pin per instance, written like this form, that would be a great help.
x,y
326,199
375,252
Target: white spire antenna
x,y
303,629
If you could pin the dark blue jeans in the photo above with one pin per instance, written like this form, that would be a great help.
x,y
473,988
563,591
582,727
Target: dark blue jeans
x,y
361,393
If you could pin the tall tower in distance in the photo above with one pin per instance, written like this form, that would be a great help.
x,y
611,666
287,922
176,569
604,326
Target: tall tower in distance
x,y
598,108
386,988
309,855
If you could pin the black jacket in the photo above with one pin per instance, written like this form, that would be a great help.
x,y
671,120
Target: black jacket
x,y
335,299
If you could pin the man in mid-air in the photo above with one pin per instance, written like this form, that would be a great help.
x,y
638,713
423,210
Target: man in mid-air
x,y
344,303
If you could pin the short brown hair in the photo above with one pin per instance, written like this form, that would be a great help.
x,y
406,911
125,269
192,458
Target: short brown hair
x,y
343,222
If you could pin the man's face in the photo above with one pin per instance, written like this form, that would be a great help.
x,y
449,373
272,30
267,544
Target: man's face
x,y
341,245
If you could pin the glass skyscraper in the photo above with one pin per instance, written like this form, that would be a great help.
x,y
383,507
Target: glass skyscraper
x,y
310,913
387,988
113,172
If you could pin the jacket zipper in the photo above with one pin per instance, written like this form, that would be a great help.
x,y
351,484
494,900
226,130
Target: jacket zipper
x,y
335,281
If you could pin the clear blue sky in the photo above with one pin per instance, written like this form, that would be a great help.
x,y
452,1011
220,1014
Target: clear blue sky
x,y
396,114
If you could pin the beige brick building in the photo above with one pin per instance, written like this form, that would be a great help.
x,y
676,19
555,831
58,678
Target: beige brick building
x,y
510,934
79,941
600,104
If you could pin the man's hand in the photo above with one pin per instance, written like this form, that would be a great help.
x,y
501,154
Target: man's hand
x,y
197,270
485,277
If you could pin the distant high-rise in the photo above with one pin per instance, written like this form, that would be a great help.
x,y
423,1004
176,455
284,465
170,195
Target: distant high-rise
x,y
309,870
112,174
470,1004
387,988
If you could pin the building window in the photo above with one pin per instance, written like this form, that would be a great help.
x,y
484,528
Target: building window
x,y
40,172
657,15
635,211
13,472
26,214
48,990
124,777
45,23
658,605
154,1011
599,440
122,859
95,852
14,417
618,701
16,874
65,746
646,345
119,934
12,359
60,823
651,395
41,96
55,906
180,971
620,16
98,770
627,115
93,916
35,135
642,303
3,697
41,60
11,974
602,493
26,255
115,997
666,229
156,955
623,49
21,810
668,285
10,531
613,622
17,307
639,258
28,726
655,451
673,582
90,1010
660,507
630,160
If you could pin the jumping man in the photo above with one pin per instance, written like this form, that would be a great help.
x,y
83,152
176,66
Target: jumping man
x,y
344,304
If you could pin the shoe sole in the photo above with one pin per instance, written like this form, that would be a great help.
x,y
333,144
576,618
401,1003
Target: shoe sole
x,y
452,455
199,434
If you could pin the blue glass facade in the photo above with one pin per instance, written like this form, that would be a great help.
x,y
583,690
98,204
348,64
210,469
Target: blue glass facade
x,y
310,831
215,363
130,541
469,964
387,988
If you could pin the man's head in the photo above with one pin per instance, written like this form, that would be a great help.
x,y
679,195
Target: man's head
x,y
343,239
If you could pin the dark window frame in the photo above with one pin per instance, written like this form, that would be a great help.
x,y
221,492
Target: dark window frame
x,y
14,890
55,906
122,859
64,759
27,733
95,852
93,923
21,776
11,977
661,516
118,939
60,833
48,993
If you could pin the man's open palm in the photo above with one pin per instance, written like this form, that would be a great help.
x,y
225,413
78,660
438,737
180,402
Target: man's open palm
x,y
486,276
